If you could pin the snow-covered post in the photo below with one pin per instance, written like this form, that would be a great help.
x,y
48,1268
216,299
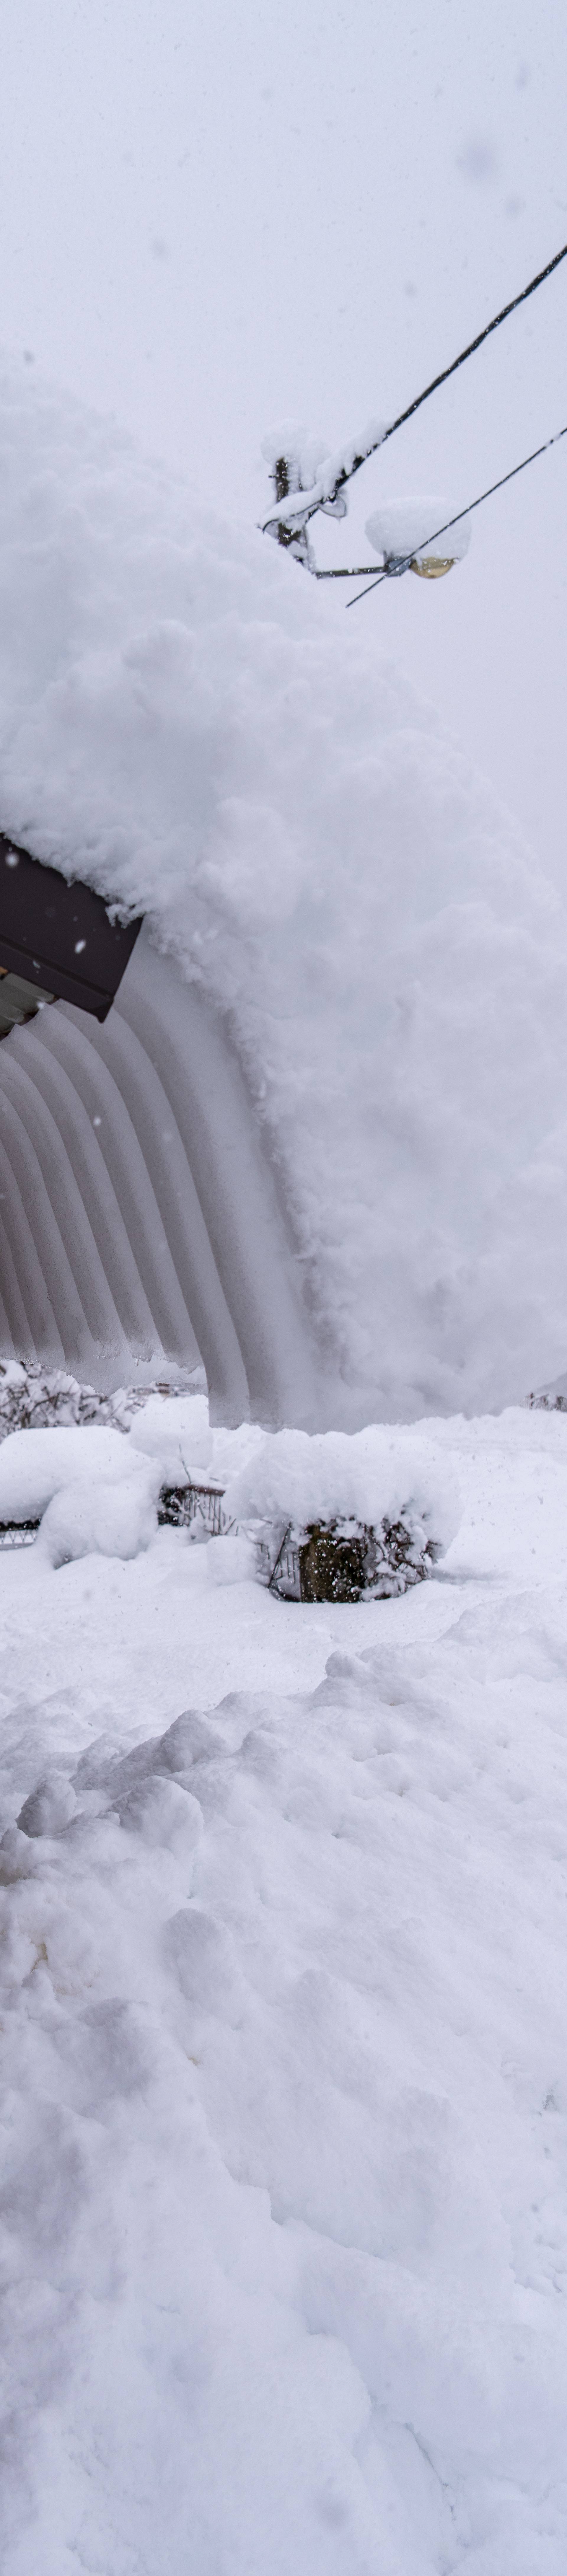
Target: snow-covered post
x,y
296,458
285,474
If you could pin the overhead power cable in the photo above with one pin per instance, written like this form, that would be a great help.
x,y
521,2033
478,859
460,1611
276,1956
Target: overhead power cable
x,y
303,505
459,514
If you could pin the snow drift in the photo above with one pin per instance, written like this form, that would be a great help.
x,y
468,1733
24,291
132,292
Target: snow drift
x,y
190,726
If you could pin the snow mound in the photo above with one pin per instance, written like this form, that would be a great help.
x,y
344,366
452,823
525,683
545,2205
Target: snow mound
x,y
232,1559
168,1442
34,1465
112,1517
186,722
92,1491
374,1476
175,1431
404,527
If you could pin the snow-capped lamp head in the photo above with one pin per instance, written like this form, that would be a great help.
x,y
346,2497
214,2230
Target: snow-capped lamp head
x,y
415,536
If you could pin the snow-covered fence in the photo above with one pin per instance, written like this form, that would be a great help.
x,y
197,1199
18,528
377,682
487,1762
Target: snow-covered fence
x,y
181,1505
18,1533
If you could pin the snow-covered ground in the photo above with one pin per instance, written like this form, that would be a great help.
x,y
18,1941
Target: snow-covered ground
x,y
284,2123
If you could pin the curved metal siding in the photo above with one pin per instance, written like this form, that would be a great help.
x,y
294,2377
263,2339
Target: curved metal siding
x,y
139,1217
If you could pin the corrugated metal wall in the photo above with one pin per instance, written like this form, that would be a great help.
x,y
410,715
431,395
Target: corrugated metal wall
x,y
139,1217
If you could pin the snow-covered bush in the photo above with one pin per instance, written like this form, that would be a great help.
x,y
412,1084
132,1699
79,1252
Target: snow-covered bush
x,y
336,1516
339,1560
32,1397
552,1401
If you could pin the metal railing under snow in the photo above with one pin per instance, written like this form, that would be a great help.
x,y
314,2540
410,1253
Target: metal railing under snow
x,y
18,1533
180,1505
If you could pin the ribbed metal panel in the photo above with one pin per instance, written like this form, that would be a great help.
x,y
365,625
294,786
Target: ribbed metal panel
x,y
140,1220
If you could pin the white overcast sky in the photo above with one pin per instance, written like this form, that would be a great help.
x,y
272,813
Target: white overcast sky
x,y
215,218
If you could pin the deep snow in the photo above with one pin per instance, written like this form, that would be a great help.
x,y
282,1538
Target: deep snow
x,y
284,2215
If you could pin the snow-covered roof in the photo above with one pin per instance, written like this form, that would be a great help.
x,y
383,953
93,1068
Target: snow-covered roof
x,y
194,729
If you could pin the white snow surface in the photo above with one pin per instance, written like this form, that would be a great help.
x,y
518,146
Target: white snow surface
x,y
284,2222
404,527
186,721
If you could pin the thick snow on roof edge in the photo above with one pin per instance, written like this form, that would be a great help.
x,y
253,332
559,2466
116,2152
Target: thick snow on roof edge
x,y
187,723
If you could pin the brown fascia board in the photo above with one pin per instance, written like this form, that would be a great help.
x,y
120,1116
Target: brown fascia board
x,y
59,936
